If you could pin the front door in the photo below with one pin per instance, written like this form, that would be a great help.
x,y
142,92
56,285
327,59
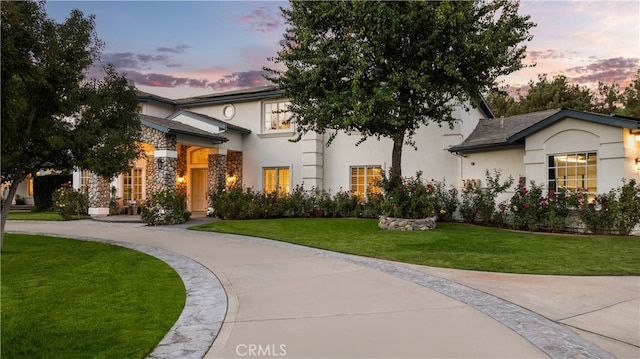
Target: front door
x,y
198,189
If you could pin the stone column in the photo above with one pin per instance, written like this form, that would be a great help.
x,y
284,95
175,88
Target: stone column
x,y
150,183
217,170
234,166
99,195
165,170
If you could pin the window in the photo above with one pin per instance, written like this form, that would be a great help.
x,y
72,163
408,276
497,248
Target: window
x,y
364,180
277,116
84,180
276,179
30,188
573,171
132,184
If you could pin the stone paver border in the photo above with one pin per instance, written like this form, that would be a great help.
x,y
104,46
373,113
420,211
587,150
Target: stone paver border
x,y
205,305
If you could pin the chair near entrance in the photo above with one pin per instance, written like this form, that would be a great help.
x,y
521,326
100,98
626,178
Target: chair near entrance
x,y
129,207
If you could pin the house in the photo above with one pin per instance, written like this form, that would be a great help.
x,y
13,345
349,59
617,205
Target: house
x,y
243,138
555,148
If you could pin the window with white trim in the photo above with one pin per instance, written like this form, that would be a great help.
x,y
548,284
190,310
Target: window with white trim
x,y
132,184
573,171
276,116
275,179
84,180
364,180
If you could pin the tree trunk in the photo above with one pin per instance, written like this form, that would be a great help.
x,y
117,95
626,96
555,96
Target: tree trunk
x,y
6,206
396,157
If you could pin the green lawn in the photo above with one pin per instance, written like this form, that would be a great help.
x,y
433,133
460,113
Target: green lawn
x,y
39,216
452,245
64,298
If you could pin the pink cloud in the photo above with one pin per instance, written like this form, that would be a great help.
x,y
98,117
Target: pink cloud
x,y
262,20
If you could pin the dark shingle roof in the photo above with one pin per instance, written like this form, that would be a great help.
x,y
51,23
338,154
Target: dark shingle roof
x,y
495,133
175,127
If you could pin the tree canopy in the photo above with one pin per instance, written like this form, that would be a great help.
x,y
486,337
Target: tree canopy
x,y
385,69
558,92
52,117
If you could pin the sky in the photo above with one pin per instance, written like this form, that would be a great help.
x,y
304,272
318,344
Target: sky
x,y
179,49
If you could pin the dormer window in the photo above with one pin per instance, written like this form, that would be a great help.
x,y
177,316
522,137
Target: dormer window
x,y
276,116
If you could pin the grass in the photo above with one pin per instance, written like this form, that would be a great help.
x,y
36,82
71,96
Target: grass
x,y
39,216
64,298
453,245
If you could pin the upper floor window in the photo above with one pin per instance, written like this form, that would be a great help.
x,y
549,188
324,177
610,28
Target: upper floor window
x,y
573,171
365,179
275,179
277,116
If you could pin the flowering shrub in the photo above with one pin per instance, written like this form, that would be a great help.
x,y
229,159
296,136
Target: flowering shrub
x,y
597,214
628,207
165,207
479,204
615,212
68,202
528,207
409,197
238,203
557,209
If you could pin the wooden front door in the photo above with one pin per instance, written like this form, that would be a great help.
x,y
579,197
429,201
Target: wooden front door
x,y
199,189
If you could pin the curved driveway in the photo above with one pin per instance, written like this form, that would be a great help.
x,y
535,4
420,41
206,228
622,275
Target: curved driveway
x,y
290,301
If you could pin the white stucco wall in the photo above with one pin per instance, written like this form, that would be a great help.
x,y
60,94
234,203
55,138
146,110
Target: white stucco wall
x,y
615,147
508,161
331,168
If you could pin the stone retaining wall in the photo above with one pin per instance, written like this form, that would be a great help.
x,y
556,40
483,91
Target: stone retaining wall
x,y
404,224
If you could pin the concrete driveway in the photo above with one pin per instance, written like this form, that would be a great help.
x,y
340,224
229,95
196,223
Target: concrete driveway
x,y
288,301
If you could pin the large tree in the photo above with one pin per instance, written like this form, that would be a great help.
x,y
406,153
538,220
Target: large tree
x,y
385,69
52,116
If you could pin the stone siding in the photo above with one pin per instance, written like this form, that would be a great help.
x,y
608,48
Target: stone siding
x,y
217,171
99,192
234,166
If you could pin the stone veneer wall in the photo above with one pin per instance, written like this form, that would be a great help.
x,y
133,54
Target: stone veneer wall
x,y
99,195
217,170
163,174
181,170
150,183
234,166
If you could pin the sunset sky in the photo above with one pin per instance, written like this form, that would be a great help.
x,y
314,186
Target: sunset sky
x,y
179,49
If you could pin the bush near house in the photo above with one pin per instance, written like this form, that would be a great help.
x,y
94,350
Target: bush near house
x,y
413,198
165,207
68,202
43,188
562,210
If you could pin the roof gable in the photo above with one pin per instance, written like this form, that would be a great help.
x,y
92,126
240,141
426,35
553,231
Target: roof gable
x,y
616,121
178,128
504,132
205,122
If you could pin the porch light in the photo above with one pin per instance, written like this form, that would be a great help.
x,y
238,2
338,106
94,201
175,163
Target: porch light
x,y
231,180
636,135
181,179
638,164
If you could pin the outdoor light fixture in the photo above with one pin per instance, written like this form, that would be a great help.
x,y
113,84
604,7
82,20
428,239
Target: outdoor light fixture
x,y
181,179
636,134
637,164
231,180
